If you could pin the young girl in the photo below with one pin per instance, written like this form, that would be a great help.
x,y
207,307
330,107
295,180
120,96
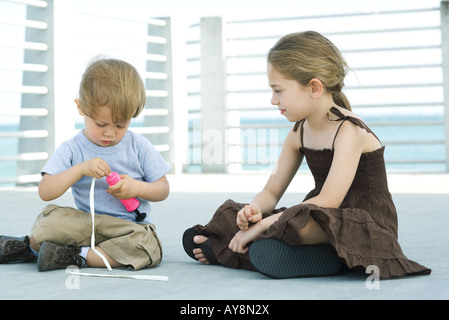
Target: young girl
x,y
348,220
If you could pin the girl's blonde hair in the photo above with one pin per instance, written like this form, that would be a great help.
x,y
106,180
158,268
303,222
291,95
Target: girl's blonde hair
x,y
115,83
306,55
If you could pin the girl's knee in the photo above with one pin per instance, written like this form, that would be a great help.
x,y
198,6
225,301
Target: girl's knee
x,y
312,233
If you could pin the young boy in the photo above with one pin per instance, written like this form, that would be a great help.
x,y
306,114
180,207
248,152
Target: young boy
x,y
111,94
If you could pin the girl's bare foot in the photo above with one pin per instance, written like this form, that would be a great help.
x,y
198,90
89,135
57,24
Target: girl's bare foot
x,y
199,239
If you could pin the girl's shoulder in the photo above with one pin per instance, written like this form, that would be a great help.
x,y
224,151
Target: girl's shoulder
x,y
339,113
354,127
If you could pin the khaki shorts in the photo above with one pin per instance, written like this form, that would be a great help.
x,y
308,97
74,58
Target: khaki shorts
x,y
134,244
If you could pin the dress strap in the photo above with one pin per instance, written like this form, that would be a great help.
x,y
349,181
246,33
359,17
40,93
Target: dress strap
x,y
297,123
358,122
300,124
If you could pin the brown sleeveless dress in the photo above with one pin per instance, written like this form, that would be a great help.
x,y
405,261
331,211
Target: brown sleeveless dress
x,y
363,230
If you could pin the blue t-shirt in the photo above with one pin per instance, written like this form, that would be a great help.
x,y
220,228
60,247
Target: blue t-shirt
x,y
134,155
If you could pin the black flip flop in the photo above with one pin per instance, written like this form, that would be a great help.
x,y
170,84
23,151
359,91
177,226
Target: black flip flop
x,y
189,245
276,259
187,242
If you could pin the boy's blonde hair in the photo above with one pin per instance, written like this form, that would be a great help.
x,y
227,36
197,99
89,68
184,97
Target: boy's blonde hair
x,y
306,55
115,83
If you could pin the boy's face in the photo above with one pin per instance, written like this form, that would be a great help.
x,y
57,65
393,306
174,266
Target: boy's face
x,y
101,130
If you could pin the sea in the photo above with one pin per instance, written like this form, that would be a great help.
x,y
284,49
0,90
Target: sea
x,y
408,148
411,148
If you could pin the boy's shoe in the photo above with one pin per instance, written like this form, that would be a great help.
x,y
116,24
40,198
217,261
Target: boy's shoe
x,y
55,256
15,249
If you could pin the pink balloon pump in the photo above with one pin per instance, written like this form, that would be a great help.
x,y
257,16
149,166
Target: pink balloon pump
x,y
130,204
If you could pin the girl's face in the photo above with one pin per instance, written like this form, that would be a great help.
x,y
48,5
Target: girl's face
x,y
101,130
291,98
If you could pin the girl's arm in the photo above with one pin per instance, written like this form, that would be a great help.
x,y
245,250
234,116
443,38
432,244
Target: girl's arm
x,y
53,186
265,201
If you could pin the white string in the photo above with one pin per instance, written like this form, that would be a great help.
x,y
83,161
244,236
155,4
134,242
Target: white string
x,y
92,213
92,244
137,277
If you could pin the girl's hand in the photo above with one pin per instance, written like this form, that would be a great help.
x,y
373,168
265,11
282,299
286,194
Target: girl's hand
x,y
247,214
96,168
123,189
243,237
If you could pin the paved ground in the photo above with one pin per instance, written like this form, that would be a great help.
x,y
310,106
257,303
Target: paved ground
x,y
422,202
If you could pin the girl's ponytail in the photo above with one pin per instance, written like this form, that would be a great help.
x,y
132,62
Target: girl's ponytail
x,y
341,100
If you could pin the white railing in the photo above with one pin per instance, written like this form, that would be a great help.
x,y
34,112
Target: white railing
x,y
40,126
231,125
34,131
395,83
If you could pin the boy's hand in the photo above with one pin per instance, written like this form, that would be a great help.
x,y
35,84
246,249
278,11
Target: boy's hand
x,y
96,168
124,189
247,214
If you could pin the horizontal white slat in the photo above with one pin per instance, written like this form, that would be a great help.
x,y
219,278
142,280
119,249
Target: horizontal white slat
x,y
24,67
39,112
38,46
154,39
157,93
25,89
162,147
24,134
150,130
154,112
34,3
151,21
156,75
23,179
156,57
25,23
30,156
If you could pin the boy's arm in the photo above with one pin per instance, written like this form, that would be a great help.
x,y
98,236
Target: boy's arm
x,y
151,191
154,191
53,186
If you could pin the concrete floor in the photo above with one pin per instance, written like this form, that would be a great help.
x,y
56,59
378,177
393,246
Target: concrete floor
x,y
422,202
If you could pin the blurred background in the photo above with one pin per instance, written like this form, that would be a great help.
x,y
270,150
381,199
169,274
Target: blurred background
x,y
203,62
